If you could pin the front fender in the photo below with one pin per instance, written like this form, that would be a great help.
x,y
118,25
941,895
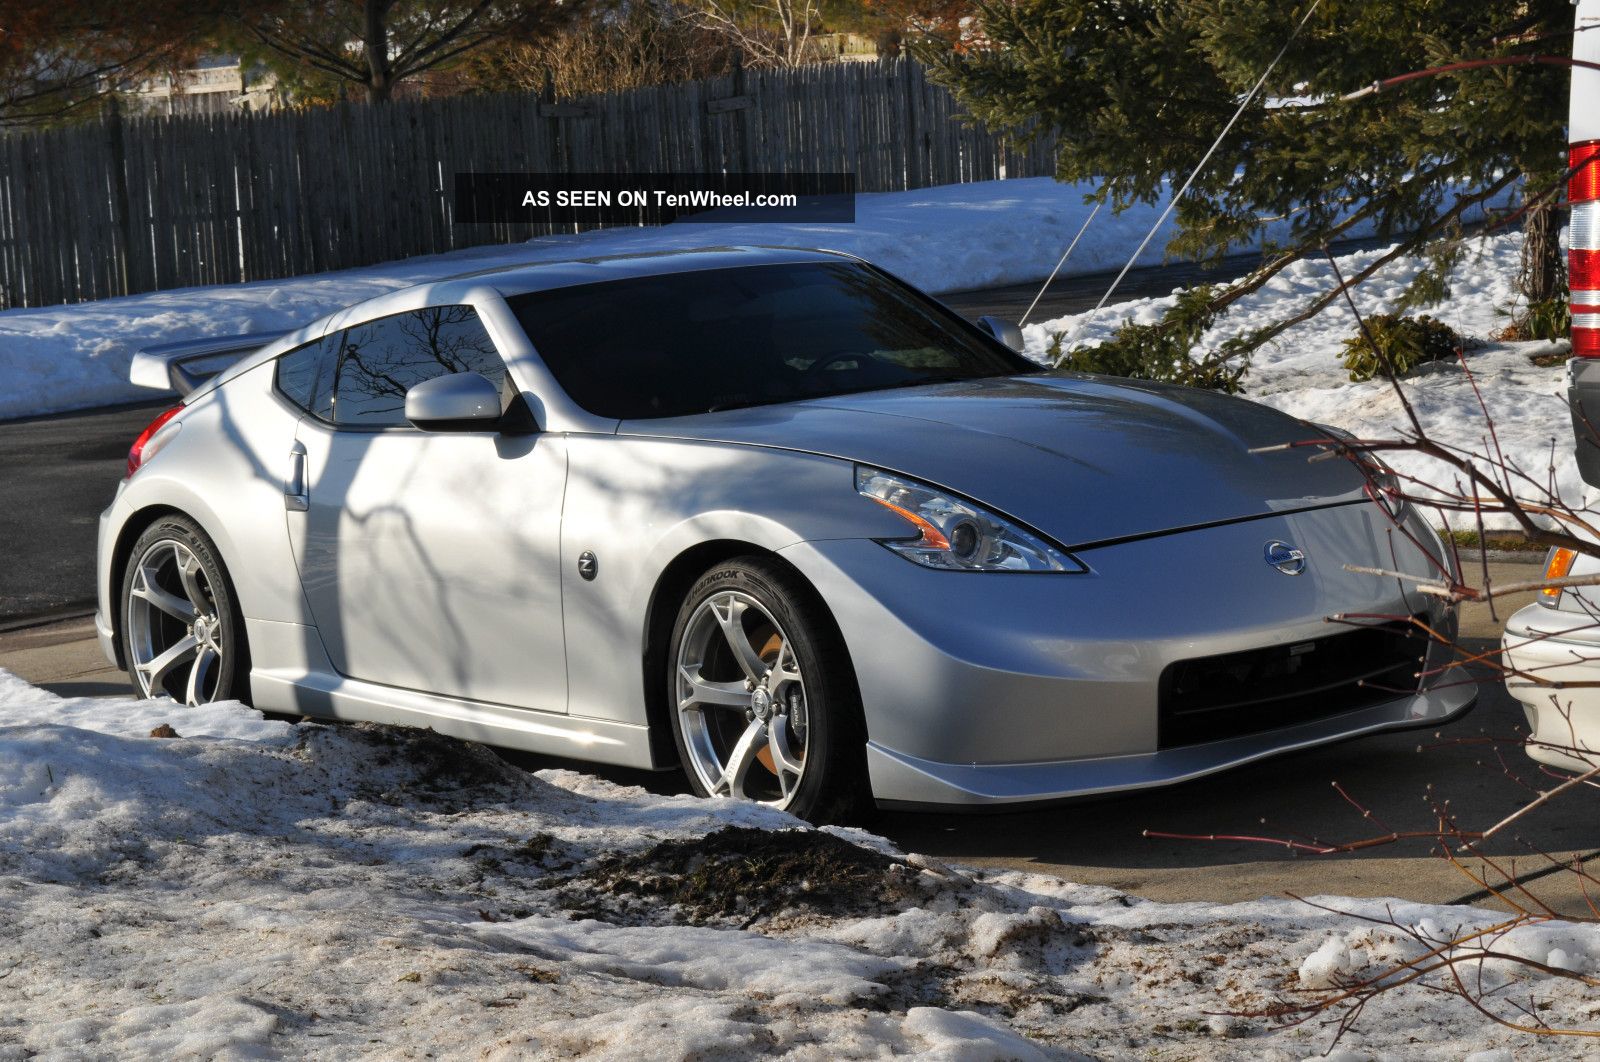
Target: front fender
x,y
638,504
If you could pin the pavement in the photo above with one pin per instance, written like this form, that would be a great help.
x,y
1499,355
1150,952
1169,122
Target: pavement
x,y
63,657
1101,841
57,474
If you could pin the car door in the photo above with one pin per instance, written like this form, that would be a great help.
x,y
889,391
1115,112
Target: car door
x,y
428,558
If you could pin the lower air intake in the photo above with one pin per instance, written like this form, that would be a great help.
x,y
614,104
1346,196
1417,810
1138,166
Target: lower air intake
x,y
1217,697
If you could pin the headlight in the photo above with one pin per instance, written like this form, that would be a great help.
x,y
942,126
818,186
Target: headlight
x,y
956,535
1385,484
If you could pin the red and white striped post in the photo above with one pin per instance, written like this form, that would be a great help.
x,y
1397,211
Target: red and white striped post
x,y
1583,244
1583,236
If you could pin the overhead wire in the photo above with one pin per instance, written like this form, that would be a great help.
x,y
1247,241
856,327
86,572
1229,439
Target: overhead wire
x,y
1212,150
1060,262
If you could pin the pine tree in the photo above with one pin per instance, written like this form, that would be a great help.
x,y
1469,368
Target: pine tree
x,y
1136,91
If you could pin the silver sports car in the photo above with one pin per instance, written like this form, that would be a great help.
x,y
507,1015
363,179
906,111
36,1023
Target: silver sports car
x,y
770,515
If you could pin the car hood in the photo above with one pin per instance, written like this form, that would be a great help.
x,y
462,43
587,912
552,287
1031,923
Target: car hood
x,y
1084,459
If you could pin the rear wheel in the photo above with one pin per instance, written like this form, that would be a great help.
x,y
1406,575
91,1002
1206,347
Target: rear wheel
x,y
764,702
181,627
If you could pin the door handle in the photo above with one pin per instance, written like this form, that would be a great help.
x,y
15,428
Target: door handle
x,y
295,497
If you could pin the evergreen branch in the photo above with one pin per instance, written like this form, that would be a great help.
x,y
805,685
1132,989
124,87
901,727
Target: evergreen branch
x,y
1405,247
1258,279
1468,64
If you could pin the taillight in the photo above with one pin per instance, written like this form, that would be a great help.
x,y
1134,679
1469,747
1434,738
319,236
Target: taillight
x,y
1583,247
1557,565
136,452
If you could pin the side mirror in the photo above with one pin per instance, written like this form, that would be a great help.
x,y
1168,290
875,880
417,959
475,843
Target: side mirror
x,y
1004,331
463,401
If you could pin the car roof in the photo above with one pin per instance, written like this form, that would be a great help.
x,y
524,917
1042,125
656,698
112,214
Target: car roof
x,y
522,278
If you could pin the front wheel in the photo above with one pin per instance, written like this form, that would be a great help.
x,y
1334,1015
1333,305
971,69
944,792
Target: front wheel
x,y
181,626
764,702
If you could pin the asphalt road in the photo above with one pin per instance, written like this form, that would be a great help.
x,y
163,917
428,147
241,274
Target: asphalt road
x,y
1101,841
58,472
56,475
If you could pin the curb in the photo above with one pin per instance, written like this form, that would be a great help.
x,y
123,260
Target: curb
x,y
46,617
1502,556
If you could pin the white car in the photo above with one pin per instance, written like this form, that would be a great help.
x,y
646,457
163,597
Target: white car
x,y
1553,646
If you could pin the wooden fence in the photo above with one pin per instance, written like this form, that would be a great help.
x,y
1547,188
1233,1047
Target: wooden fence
x,y
126,205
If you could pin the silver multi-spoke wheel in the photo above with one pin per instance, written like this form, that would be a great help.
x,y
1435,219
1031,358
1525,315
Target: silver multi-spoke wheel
x,y
741,701
176,640
762,693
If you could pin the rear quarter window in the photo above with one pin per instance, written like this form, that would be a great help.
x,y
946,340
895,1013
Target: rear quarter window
x,y
304,375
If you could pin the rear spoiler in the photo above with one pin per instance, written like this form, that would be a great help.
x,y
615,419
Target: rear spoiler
x,y
182,367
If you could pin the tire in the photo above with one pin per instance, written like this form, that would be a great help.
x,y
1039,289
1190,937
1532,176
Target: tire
x,y
779,720
182,631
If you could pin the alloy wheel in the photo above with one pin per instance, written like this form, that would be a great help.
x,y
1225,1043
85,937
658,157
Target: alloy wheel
x,y
176,639
741,701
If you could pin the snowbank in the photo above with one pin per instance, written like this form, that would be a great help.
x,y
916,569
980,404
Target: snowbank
x,y
1301,372
253,888
949,238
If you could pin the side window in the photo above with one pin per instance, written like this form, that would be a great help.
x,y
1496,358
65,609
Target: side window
x,y
383,359
305,375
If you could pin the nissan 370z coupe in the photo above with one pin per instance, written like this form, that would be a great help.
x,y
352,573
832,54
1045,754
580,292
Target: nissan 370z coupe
x,y
771,515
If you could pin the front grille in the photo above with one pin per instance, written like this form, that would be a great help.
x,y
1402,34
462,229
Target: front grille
x,y
1216,697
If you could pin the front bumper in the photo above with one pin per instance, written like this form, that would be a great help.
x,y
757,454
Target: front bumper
x,y
1547,651
917,784
1000,689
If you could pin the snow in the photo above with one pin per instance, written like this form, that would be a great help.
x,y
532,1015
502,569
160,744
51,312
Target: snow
x,y
1301,371
257,889
1328,966
948,238
789,973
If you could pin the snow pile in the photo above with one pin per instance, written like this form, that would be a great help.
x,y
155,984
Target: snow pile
x,y
949,238
252,888
1329,966
1301,371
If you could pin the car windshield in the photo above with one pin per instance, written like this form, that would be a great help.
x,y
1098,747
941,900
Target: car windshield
x,y
697,342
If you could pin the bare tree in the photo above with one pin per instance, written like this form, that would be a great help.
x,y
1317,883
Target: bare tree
x,y
57,59
376,44
774,33
630,45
